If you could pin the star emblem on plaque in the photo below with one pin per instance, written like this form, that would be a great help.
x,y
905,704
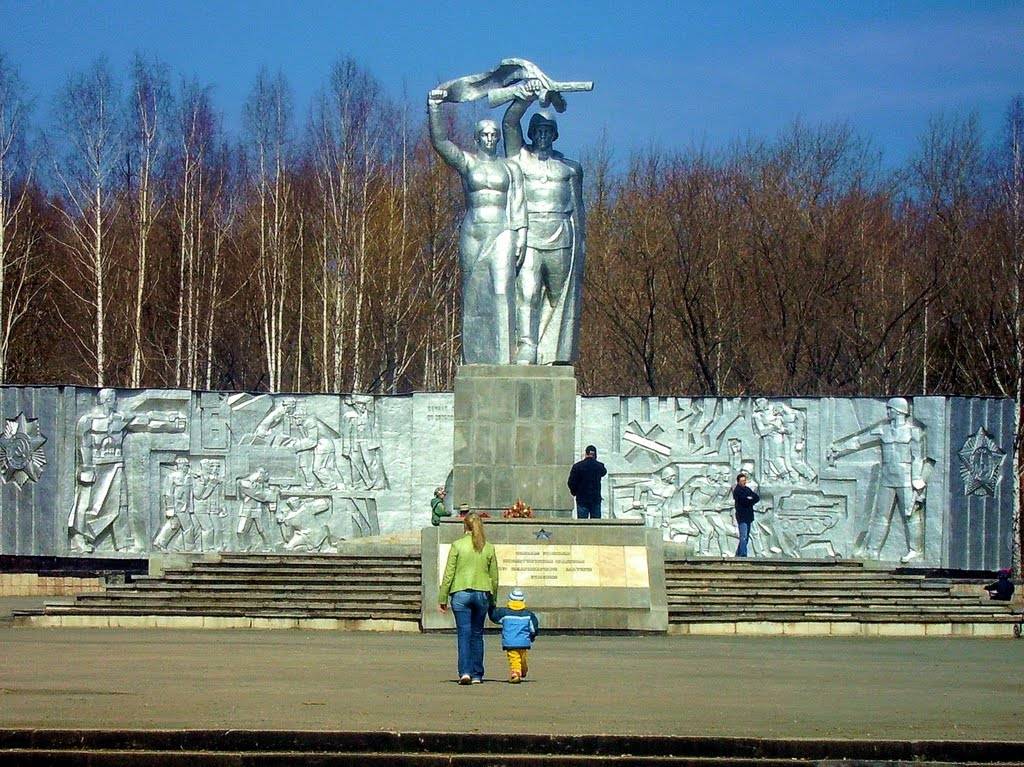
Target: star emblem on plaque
x,y
21,451
981,458
542,535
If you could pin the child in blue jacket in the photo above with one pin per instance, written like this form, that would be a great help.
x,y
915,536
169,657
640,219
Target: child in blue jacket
x,y
519,628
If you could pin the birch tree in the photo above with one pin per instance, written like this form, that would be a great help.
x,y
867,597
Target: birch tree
x,y
267,123
148,106
20,232
1012,188
196,134
85,155
345,138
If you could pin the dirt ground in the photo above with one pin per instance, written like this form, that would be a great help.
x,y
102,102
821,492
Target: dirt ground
x,y
321,680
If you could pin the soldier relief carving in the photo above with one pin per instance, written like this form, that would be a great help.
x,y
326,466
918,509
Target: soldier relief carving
x,y
854,485
252,473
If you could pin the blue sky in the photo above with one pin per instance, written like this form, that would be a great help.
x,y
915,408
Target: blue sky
x,y
667,74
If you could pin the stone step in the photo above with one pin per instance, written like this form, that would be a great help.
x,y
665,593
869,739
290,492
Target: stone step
x,y
795,578
772,561
306,562
835,613
284,610
212,600
768,592
232,586
288,567
236,747
761,616
188,577
833,602
316,564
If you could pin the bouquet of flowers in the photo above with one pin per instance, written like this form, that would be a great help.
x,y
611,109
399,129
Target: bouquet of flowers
x,y
518,510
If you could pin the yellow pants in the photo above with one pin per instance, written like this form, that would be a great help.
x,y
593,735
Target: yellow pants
x,y
517,662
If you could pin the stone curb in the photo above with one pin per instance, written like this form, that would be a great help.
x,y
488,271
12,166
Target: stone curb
x,y
424,743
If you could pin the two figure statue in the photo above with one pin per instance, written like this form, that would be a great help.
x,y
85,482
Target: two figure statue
x,y
521,247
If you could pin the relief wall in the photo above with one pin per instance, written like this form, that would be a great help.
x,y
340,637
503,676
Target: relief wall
x,y
895,480
84,472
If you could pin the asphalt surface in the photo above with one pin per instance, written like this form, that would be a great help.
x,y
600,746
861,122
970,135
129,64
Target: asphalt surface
x,y
320,680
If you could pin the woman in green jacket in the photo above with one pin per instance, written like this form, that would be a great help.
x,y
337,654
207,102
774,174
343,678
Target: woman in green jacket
x,y
471,579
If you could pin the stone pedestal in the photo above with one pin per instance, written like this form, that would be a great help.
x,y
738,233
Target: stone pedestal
x,y
514,437
597,574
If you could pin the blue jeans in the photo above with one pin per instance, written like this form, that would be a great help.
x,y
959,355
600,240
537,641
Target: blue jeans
x,y
470,610
744,529
588,511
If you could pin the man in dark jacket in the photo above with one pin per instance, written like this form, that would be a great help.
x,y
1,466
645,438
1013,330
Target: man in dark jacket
x,y
585,484
1001,589
744,498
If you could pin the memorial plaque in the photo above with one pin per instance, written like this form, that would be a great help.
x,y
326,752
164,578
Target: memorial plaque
x,y
588,574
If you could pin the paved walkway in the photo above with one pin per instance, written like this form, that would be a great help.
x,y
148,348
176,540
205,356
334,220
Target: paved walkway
x,y
298,680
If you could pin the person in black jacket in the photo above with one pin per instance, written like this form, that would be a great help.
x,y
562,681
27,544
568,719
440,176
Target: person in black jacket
x,y
585,484
1001,589
744,498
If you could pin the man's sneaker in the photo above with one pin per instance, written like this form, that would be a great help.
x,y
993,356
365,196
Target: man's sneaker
x,y
477,681
464,679
514,679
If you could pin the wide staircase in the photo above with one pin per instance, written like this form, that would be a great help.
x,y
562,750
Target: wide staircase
x,y
379,589
825,597
353,590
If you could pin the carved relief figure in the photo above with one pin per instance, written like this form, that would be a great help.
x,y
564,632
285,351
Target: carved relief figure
x,y
709,503
276,427
176,502
493,233
902,482
209,512
652,500
361,444
769,425
305,523
100,515
318,461
256,513
794,439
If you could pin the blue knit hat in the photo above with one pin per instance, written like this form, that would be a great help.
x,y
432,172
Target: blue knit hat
x,y
516,595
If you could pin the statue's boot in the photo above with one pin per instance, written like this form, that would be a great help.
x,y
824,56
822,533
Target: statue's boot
x,y
527,353
164,537
80,544
915,537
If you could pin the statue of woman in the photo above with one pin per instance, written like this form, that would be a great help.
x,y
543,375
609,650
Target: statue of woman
x,y
492,240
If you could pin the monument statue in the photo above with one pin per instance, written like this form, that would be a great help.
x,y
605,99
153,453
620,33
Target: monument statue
x,y
100,513
521,243
549,287
902,486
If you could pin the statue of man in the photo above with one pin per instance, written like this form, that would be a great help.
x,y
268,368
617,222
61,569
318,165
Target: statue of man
x,y
178,508
549,285
100,513
902,481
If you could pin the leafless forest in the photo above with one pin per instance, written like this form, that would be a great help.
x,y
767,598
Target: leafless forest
x,y
140,245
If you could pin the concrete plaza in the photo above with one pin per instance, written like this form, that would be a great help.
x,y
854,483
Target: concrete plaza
x,y
958,689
